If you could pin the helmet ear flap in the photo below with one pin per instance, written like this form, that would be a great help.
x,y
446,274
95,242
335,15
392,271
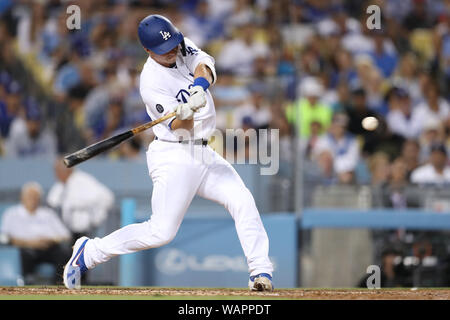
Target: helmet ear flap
x,y
183,48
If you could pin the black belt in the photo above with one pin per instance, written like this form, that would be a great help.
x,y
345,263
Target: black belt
x,y
203,142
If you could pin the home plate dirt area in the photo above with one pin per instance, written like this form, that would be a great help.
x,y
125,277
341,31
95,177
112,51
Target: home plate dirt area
x,y
208,293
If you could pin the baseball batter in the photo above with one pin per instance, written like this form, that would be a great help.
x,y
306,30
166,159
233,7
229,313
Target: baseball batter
x,y
177,76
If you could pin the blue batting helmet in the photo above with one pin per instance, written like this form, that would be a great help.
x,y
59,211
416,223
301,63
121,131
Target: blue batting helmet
x,y
158,34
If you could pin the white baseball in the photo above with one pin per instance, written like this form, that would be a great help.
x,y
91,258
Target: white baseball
x,y
370,123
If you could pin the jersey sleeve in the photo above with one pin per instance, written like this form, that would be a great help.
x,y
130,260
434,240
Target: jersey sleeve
x,y
195,56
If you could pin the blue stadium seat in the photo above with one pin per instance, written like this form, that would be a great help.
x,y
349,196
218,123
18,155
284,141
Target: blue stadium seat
x,y
10,266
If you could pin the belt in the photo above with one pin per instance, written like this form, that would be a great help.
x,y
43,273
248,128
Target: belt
x,y
202,142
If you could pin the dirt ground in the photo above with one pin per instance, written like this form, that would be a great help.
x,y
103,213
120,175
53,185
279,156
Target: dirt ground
x,y
314,294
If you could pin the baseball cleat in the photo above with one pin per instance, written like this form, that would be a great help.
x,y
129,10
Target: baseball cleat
x,y
76,266
260,282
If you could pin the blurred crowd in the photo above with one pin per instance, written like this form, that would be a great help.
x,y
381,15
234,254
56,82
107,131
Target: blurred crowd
x,y
371,105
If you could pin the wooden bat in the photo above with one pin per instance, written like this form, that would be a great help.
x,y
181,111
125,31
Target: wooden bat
x,y
101,146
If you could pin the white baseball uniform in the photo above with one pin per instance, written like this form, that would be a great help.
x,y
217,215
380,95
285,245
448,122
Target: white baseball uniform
x,y
178,175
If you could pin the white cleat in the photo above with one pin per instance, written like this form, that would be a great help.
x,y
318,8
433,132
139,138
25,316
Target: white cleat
x,y
76,266
260,282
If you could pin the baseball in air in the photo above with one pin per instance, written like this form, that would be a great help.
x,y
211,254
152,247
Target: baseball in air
x,y
370,123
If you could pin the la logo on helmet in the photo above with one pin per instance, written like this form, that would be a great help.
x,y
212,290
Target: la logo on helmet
x,y
165,34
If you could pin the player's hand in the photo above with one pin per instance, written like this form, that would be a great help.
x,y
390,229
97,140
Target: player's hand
x,y
197,98
184,112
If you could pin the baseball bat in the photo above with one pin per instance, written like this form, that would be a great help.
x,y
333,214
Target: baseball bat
x,y
106,144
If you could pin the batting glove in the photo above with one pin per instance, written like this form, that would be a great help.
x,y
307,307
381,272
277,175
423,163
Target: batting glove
x,y
197,98
184,112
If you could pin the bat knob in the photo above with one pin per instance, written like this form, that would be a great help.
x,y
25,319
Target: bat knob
x,y
67,162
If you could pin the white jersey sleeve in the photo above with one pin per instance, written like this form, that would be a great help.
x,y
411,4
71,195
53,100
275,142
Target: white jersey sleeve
x,y
195,56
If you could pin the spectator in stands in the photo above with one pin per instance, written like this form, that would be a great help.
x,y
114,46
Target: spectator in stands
x,y
113,121
311,60
321,169
10,104
379,165
308,108
338,21
401,118
432,133
97,100
434,104
343,147
239,54
342,98
256,108
406,76
201,27
396,192
419,16
410,151
38,232
83,201
345,70
242,13
29,137
371,80
308,144
398,180
315,11
228,96
385,60
437,171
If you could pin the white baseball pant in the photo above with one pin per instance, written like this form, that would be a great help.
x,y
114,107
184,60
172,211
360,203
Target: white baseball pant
x,y
179,172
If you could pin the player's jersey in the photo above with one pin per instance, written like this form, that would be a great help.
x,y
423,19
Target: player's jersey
x,y
163,89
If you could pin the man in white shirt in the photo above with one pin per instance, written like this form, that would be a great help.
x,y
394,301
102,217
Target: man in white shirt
x,y
401,118
177,76
342,146
37,231
436,172
84,202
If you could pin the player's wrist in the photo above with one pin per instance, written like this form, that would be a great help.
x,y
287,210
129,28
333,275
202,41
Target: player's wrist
x,y
202,82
